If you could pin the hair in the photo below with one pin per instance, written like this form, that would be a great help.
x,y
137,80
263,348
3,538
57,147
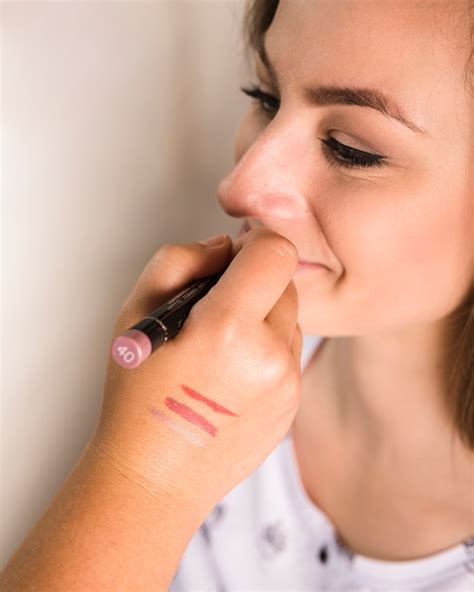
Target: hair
x,y
459,354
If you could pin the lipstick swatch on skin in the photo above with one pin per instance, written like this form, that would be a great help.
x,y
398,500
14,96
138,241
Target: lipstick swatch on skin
x,y
212,404
190,415
176,426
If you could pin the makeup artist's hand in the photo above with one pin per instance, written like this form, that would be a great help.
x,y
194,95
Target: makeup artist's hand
x,y
206,408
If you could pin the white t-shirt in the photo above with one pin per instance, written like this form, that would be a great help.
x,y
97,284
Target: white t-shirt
x,y
266,534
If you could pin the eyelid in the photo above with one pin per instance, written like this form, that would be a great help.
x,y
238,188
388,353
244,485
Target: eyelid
x,y
254,91
272,90
273,94
261,71
361,159
336,147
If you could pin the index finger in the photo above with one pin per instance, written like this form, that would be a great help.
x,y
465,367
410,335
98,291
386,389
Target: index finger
x,y
257,275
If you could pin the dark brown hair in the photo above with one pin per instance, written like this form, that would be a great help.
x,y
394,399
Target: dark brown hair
x,y
459,355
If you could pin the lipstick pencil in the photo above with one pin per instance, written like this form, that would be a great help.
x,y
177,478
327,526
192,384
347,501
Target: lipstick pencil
x,y
138,343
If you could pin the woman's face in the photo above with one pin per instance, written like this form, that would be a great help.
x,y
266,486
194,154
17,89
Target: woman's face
x,y
397,238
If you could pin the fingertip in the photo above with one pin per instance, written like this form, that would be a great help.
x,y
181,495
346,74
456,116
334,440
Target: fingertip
x,y
218,240
291,250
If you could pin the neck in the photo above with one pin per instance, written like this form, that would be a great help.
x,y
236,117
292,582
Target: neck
x,y
389,389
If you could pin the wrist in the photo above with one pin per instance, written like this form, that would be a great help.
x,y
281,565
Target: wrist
x,y
104,527
163,489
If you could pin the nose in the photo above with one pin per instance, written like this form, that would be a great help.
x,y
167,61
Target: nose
x,y
271,179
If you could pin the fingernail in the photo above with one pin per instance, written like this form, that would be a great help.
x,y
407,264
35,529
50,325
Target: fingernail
x,y
217,239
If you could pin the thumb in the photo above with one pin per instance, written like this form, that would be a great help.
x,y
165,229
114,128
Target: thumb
x,y
214,241
297,343
171,268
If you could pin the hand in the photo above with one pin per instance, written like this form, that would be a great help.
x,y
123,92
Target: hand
x,y
234,367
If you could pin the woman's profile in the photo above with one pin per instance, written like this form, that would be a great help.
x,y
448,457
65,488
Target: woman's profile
x,y
336,371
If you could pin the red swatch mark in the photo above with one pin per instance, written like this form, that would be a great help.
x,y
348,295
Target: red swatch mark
x,y
212,404
190,415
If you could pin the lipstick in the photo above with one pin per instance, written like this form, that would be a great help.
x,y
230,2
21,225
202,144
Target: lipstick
x,y
140,341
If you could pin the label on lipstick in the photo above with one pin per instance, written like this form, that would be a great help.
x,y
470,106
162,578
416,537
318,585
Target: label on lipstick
x,y
165,322
182,297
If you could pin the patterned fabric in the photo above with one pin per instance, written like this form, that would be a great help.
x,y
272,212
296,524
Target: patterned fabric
x,y
266,534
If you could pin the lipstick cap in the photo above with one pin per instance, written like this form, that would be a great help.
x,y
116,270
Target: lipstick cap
x,y
131,349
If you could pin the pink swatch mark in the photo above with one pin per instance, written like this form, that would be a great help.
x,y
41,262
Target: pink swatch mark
x,y
179,428
190,415
213,405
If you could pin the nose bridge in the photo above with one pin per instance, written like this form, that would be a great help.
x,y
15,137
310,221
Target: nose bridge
x,y
270,175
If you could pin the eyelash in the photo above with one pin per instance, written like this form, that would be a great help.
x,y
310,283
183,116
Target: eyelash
x,y
356,158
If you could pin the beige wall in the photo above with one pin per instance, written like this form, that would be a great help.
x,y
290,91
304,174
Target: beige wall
x,y
118,120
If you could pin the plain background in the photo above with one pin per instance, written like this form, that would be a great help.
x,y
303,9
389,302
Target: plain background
x,y
118,121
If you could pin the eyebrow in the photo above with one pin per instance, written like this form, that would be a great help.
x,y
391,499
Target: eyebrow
x,y
344,95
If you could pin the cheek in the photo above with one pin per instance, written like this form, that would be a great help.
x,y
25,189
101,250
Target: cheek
x,y
405,249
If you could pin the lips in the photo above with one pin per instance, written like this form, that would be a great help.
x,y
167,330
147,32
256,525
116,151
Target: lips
x,y
302,263
309,264
310,267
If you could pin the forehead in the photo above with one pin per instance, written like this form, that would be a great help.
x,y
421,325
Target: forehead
x,y
411,49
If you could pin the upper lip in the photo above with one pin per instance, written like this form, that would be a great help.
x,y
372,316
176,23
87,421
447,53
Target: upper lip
x,y
247,226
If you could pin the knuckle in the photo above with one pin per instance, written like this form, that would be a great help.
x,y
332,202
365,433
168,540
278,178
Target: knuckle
x,y
222,322
222,309
174,257
274,364
171,250
164,248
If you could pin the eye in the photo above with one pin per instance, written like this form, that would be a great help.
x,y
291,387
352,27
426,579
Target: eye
x,y
341,155
266,103
336,154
